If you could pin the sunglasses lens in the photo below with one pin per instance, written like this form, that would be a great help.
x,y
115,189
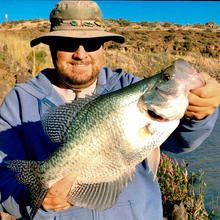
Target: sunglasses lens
x,y
92,46
89,45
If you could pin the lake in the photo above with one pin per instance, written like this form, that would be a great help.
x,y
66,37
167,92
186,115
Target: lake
x,y
207,158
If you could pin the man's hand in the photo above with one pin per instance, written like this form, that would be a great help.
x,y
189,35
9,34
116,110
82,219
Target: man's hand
x,y
56,198
204,100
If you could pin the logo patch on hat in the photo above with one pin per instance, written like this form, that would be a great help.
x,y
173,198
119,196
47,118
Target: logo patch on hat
x,y
88,24
74,23
98,23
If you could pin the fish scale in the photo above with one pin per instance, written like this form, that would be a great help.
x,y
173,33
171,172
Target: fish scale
x,y
103,138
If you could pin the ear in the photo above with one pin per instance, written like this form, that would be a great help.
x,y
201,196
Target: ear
x,y
104,46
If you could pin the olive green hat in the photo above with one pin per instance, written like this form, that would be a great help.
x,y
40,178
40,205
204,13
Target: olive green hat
x,y
78,20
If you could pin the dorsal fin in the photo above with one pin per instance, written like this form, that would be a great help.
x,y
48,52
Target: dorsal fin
x,y
56,120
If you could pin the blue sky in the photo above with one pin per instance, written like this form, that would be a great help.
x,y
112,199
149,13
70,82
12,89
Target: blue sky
x,y
179,12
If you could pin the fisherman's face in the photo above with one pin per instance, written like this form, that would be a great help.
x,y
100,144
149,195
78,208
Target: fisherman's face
x,y
78,63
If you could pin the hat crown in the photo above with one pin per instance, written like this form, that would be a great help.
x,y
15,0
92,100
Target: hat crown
x,y
75,10
73,19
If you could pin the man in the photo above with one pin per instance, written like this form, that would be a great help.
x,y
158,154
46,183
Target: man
x,y
76,42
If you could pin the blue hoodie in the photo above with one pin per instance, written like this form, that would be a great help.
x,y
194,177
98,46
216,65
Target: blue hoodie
x,y
22,137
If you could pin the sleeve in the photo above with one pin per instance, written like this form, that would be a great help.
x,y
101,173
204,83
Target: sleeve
x,y
190,134
12,192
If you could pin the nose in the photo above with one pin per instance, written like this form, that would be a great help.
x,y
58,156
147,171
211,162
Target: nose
x,y
80,53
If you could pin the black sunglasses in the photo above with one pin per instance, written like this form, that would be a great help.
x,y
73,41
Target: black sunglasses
x,y
73,45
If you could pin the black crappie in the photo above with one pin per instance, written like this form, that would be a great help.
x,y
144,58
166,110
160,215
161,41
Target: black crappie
x,y
103,139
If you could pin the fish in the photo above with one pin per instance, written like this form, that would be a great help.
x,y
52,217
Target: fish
x,y
104,137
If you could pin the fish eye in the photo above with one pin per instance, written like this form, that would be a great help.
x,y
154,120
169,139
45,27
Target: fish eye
x,y
167,76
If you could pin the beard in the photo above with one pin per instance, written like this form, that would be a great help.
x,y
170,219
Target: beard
x,y
70,75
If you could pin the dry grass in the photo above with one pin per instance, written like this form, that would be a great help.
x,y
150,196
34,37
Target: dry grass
x,y
147,64
26,56
139,63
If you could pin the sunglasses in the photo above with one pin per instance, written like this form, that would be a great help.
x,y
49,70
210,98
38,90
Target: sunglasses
x,y
73,45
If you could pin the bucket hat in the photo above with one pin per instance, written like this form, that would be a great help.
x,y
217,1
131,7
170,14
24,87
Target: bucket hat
x,y
76,19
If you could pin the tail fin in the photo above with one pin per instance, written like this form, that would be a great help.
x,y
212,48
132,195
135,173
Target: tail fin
x,y
28,174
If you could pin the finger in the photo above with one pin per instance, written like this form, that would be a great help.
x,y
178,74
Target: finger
x,y
197,113
206,91
53,202
202,110
62,208
195,100
63,186
55,205
193,115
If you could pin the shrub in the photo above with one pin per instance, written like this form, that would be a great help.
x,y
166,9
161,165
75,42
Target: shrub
x,y
208,30
35,20
122,22
114,30
198,25
3,57
153,24
186,38
211,24
169,37
144,23
166,24
177,188
187,45
171,30
179,25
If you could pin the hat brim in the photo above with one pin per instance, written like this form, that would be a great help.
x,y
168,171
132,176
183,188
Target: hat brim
x,y
51,36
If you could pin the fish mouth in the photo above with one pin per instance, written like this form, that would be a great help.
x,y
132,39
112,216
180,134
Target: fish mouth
x,y
154,116
153,112
150,112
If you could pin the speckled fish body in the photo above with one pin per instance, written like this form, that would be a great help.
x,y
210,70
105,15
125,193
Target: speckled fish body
x,y
103,139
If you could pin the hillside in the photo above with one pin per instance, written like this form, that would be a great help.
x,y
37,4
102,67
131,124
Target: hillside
x,y
144,36
148,48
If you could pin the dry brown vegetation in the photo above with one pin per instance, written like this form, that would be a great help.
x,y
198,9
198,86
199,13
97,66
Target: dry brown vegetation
x,y
149,47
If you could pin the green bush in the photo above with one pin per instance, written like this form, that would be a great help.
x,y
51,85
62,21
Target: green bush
x,y
3,57
40,56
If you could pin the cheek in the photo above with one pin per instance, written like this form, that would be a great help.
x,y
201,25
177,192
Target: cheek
x,y
98,59
63,56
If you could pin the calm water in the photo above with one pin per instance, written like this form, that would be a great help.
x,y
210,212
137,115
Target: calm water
x,y
207,158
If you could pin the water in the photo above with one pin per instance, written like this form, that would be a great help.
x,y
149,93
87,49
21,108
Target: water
x,y
207,158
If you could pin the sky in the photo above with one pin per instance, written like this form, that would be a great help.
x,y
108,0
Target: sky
x,y
179,12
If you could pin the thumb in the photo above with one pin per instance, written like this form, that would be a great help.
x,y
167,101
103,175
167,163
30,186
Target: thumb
x,y
63,186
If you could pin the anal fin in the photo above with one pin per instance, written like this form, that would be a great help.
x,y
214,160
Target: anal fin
x,y
153,160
